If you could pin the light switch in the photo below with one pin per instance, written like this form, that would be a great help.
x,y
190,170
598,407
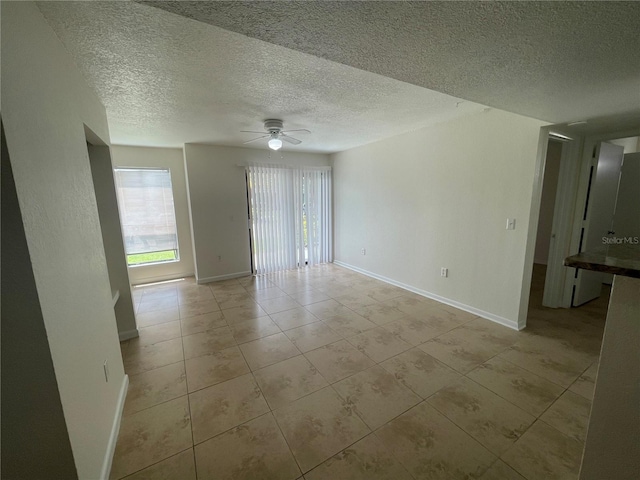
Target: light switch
x,y
511,223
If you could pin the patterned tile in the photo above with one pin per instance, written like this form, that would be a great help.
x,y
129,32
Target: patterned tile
x,y
268,350
148,357
492,421
379,314
217,367
544,452
501,471
202,323
312,336
198,308
152,435
338,360
241,314
318,426
367,459
225,405
550,360
207,342
289,380
348,324
376,396
530,392
157,317
250,451
279,304
155,386
570,415
431,447
293,318
157,333
526,370
379,344
463,349
180,466
412,330
585,384
253,329
420,372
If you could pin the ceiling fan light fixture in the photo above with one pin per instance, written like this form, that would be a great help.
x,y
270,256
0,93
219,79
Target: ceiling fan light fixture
x,y
275,144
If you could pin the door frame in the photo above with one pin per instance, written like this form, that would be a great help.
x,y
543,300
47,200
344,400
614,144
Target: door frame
x,y
572,188
587,158
555,280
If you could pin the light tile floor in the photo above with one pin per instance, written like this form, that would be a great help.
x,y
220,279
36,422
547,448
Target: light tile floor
x,y
333,375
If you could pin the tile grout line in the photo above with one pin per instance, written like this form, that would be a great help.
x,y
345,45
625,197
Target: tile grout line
x,y
346,338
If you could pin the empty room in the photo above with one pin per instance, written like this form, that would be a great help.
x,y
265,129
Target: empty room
x,y
320,240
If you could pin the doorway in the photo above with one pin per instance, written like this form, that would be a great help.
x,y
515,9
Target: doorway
x,y
545,233
599,209
579,145
289,217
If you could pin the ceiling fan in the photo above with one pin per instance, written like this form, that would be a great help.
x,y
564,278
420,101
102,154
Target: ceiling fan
x,y
275,134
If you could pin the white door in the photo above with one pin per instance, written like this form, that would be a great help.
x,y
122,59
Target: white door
x,y
598,217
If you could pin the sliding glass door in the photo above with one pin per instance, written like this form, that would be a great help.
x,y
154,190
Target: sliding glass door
x,y
290,215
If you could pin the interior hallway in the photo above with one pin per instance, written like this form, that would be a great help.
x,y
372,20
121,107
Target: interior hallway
x,y
334,375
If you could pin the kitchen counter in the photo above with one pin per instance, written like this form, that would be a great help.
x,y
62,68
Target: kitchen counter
x,y
612,447
623,259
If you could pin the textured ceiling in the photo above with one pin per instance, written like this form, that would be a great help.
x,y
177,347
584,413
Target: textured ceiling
x,y
167,80
352,72
555,61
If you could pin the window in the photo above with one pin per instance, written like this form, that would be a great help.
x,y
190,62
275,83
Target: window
x,y
147,214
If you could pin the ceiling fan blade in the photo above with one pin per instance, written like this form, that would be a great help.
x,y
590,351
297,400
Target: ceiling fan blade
x,y
289,139
300,131
255,139
251,131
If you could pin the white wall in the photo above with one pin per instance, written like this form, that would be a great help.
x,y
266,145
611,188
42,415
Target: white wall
x,y
218,203
440,197
613,438
626,222
45,102
630,144
172,158
105,191
548,201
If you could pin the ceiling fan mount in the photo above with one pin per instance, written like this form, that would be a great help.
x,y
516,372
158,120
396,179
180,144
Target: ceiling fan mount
x,y
273,130
273,125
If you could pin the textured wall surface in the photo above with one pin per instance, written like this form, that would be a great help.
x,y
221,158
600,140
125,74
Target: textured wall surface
x,y
45,105
33,425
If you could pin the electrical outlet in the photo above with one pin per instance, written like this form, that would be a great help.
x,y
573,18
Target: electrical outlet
x,y
511,223
363,251
106,370
444,272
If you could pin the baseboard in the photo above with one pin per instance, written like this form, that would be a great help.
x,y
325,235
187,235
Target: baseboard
x,y
447,301
115,430
160,278
129,334
219,278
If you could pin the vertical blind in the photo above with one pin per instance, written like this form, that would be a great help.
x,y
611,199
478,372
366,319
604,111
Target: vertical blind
x,y
147,213
290,212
